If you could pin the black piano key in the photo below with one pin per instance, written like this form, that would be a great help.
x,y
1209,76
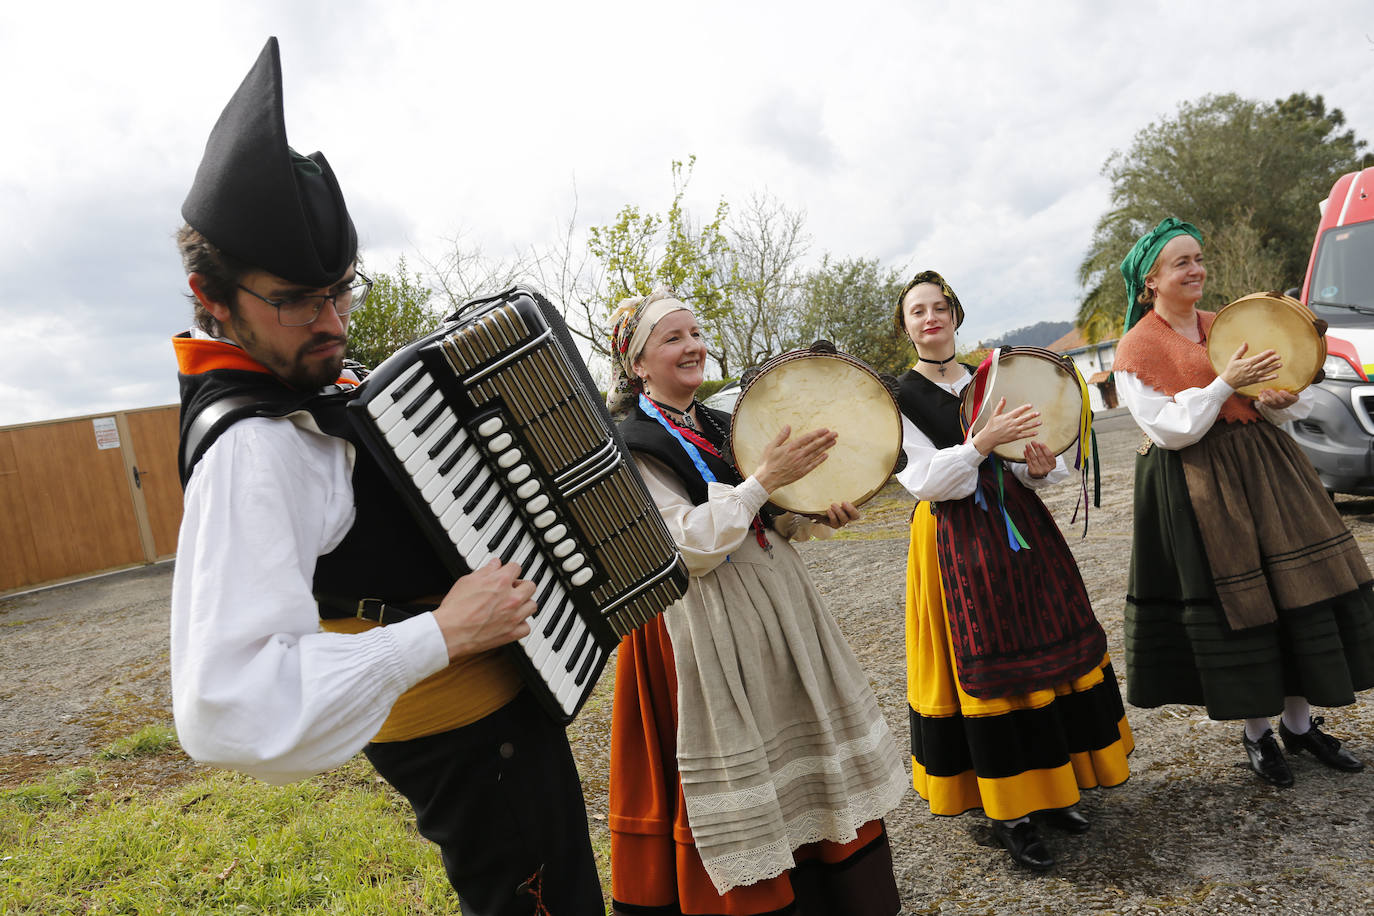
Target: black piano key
x,y
511,550
586,668
455,458
576,653
400,390
555,617
443,442
527,560
499,535
477,494
483,515
569,618
409,410
423,426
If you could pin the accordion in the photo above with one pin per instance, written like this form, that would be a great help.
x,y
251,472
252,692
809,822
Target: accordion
x,y
494,435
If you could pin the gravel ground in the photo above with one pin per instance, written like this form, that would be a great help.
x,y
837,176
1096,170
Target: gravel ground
x,y
1192,831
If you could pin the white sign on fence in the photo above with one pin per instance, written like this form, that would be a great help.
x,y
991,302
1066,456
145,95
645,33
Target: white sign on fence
x,y
106,433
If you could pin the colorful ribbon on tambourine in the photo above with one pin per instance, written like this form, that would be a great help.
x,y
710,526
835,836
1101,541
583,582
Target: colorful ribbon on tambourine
x,y
982,380
1087,443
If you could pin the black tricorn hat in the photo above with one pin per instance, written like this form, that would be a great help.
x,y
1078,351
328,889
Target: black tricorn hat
x,y
260,201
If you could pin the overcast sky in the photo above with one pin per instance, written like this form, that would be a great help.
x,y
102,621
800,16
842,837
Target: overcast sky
x,y
964,137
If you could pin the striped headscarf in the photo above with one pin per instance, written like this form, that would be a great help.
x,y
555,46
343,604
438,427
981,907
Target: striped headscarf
x,y
631,324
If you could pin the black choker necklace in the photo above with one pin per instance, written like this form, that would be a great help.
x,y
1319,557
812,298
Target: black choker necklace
x,y
682,415
936,362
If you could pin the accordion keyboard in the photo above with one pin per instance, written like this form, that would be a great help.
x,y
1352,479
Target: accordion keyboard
x,y
502,452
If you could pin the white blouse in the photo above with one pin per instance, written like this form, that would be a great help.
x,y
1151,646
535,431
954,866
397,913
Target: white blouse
x,y
706,534
256,685
936,474
1179,421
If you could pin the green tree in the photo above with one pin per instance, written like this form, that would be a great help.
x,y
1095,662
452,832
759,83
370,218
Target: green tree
x,y
851,302
397,311
641,250
1248,174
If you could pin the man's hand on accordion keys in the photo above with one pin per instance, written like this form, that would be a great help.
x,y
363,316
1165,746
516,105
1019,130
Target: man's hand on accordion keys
x,y
486,609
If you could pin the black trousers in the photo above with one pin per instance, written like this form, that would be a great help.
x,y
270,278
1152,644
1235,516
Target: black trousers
x,y
502,800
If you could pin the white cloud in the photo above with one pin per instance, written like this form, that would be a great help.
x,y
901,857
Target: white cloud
x,y
966,137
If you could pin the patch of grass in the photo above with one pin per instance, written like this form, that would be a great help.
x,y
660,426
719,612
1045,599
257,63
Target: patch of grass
x,y
342,843
147,741
59,789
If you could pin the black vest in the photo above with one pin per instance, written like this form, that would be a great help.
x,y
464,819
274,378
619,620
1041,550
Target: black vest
x,y
386,554
642,433
932,409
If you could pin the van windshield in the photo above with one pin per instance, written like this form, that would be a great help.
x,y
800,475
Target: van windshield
x,y
1344,275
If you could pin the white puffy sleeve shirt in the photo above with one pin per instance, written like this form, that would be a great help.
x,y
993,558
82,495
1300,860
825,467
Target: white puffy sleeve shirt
x,y
1179,421
936,474
706,534
256,685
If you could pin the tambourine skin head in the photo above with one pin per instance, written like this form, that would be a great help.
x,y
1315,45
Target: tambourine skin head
x,y
1041,378
807,391
1265,321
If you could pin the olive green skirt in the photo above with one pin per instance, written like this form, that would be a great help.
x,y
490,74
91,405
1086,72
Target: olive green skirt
x,y
1179,645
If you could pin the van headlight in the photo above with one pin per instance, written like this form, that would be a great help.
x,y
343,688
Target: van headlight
x,y
1337,367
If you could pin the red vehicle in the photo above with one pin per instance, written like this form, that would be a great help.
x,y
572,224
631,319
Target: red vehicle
x,y
1339,434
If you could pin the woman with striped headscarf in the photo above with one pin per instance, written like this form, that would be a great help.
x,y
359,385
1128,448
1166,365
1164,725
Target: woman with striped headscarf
x,y
750,764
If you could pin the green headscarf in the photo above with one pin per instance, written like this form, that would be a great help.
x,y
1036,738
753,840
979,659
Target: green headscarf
x,y
1142,257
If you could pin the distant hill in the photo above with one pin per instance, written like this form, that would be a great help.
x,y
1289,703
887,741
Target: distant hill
x,y
1035,335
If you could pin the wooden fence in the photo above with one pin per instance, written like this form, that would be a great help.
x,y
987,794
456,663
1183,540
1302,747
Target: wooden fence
x,y
88,494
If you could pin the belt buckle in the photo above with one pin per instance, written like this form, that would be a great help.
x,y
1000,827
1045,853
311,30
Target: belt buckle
x,y
375,606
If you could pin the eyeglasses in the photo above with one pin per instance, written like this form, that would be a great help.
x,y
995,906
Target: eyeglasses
x,y
298,311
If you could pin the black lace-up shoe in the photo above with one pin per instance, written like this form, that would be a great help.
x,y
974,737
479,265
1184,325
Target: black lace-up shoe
x,y
1023,843
1324,747
1267,760
1069,820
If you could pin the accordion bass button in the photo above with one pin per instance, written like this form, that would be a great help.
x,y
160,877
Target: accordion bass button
x,y
489,428
519,474
555,533
507,459
501,442
545,519
528,489
536,505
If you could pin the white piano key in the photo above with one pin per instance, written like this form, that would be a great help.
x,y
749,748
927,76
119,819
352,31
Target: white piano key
x,y
380,404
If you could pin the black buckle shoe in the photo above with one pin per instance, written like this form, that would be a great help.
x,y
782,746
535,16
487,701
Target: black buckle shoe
x,y
1023,843
1267,760
1069,820
1324,747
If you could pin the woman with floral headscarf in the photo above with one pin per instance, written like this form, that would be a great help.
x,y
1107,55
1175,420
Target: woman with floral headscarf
x,y
750,764
1247,593
1013,703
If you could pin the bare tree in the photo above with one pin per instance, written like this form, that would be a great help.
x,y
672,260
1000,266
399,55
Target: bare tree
x,y
765,285
465,272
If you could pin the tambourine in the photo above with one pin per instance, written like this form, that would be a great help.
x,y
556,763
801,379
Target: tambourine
x,y
816,389
1028,375
1267,321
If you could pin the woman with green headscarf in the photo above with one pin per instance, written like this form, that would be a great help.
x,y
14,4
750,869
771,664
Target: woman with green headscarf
x,y
1247,593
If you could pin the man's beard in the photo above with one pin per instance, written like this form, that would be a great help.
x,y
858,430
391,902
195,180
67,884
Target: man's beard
x,y
294,371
